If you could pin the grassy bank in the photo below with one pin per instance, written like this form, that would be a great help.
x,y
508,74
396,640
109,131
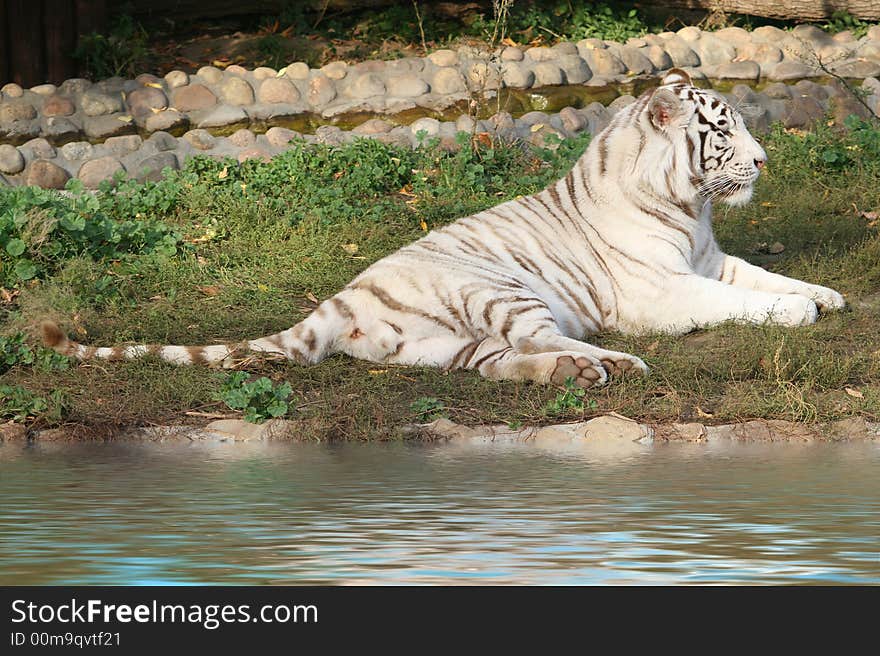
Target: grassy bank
x,y
222,251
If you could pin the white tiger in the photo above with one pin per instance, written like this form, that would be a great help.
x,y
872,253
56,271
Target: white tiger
x,y
624,242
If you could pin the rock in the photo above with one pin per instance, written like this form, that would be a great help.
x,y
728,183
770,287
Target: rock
x,y
778,90
613,428
330,135
843,106
691,432
235,69
121,146
566,48
237,92
857,68
512,54
541,54
659,58
517,76
444,58
547,74
366,86
482,76
690,34
162,141
176,79
572,120
142,102
604,63
151,168
448,81
431,126
59,128
321,91
373,126
264,73
11,431
240,430
210,74
766,34
297,71
39,149
635,61
44,89
278,90
335,70
746,70
46,174
734,35
200,139
16,111
280,136
851,428
575,69
170,119
408,86
93,172
222,116
58,106
407,65
681,53
243,138
762,430
11,160
464,123
713,51
791,70
94,103
193,97
803,112
763,53
620,102
254,153
77,150
101,127
11,90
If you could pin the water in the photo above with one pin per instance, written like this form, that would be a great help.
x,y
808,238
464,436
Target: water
x,y
172,513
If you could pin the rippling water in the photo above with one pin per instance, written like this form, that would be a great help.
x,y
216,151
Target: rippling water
x,y
128,513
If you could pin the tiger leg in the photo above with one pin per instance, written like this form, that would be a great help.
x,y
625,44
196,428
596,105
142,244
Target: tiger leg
x,y
498,360
615,362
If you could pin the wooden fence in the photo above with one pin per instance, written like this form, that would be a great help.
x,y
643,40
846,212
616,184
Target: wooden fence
x,y
38,37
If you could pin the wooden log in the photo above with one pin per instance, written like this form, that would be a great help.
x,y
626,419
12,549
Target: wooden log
x,y
91,16
60,31
25,46
4,50
804,10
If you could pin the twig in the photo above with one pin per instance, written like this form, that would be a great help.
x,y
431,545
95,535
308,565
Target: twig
x,y
421,27
210,415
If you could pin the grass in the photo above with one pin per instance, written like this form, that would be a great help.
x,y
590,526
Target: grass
x,y
259,244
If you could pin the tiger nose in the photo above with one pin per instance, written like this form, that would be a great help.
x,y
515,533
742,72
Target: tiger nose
x,y
759,163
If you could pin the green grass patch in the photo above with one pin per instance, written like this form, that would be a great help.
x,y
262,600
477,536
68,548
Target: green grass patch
x,y
225,251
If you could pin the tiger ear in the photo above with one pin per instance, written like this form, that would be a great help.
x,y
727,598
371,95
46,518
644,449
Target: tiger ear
x,y
676,76
664,107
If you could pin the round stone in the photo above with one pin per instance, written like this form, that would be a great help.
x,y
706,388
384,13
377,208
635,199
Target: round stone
x,y
264,73
790,70
713,51
735,35
74,86
235,69
321,90
243,138
44,89
690,33
142,102
658,57
857,69
407,86
512,54
254,153
193,97
566,48
541,54
222,116
58,128
464,123
335,70
572,120
604,63
237,92
280,136
681,53
635,61
16,111
517,76
745,70
123,145
145,79
483,76
162,141
200,139
763,53
430,126
151,168
575,68
46,174
778,90
547,74
367,85
165,120
39,149
101,127
96,171
278,90
94,103
76,150
373,126
11,90
448,81
11,160
210,74
297,71
176,79
444,57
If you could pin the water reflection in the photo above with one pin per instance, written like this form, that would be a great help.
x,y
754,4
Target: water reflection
x,y
397,513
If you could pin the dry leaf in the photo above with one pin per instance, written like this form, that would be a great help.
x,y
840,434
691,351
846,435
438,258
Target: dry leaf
x,y
209,290
508,41
219,63
423,224
281,72
223,173
125,118
854,392
312,298
351,249
537,126
702,413
155,85
375,372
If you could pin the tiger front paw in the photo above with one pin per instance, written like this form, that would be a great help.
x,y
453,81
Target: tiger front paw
x,y
825,298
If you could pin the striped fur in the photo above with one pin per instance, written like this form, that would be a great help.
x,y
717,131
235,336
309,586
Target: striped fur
x,y
623,242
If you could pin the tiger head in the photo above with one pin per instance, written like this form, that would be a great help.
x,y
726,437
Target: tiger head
x,y
725,160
